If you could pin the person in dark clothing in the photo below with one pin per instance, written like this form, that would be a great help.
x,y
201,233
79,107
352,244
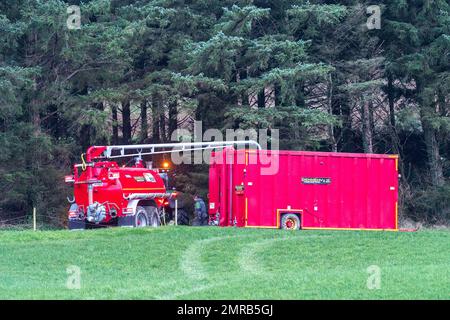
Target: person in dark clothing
x,y
200,211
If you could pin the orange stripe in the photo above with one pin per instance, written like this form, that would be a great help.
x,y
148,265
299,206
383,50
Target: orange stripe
x,y
246,211
348,229
263,227
319,228
396,215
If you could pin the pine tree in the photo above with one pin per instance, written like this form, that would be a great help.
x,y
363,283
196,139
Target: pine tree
x,y
418,37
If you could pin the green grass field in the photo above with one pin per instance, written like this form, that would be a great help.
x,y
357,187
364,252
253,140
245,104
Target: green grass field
x,y
224,263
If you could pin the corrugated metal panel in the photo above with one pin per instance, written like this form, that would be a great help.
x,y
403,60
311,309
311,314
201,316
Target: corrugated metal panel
x,y
328,190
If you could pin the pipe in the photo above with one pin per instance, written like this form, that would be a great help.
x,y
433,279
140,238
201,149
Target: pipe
x,y
147,196
230,197
178,147
230,191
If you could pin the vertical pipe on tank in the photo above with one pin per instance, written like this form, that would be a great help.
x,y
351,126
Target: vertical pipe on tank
x,y
230,190
90,193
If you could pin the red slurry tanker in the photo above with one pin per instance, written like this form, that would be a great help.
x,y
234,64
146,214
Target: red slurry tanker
x,y
304,190
136,196
105,193
247,188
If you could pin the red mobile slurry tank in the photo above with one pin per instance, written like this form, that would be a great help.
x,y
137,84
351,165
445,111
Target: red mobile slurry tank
x,y
303,190
136,196
106,193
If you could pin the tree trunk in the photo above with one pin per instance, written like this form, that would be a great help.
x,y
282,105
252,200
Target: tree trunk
x,y
155,121
115,126
36,120
367,133
239,97
395,143
126,121
96,136
344,133
431,141
332,137
261,99
85,136
173,117
427,113
144,121
162,123
85,130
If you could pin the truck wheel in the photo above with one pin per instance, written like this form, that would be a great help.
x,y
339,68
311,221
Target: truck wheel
x,y
290,222
153,217
183,218
141,219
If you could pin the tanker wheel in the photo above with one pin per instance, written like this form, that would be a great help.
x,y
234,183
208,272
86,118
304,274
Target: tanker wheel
x,y
153,217
290,222
141,220
183,218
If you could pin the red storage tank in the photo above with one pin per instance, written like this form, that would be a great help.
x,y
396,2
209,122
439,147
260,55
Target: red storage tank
x,y
307,190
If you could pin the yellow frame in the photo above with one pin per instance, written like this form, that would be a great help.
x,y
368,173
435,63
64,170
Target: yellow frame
x,y
300,211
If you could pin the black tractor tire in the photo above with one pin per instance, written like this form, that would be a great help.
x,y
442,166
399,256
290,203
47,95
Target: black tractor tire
x,y
182,217
141,218
290,222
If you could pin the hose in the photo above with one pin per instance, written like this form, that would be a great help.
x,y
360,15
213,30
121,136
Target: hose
x,y
83,163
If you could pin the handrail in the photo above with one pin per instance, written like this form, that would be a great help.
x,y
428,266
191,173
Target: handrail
x,y
177,147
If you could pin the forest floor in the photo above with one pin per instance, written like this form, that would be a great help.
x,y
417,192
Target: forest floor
x,y
224,263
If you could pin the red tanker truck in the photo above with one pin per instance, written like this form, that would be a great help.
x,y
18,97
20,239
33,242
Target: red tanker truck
x,y
136,196
108,194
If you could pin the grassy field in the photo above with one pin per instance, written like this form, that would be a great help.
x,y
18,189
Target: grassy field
x,y
224,263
